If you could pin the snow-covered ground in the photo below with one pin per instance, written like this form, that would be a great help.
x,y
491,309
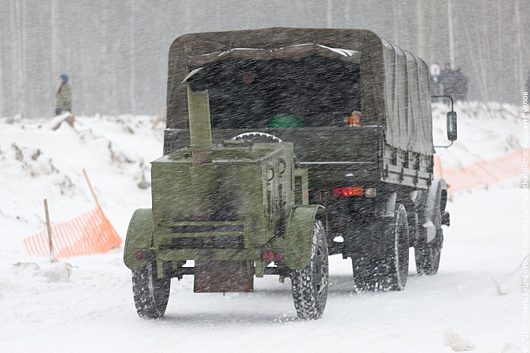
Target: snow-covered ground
x,y
87,306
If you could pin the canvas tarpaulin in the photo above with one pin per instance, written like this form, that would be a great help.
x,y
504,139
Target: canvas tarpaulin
x,y
394,83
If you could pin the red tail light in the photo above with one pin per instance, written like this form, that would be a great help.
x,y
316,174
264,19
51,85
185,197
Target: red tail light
x,y
348,191
278,257
267,256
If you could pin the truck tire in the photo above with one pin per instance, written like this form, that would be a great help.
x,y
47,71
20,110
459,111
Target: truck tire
x,y
310,284
364,273
427,255
151,294
394,264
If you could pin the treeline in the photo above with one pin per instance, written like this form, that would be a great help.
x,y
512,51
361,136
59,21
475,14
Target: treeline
x,y
115,52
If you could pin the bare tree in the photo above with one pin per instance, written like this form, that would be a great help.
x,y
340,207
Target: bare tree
x,y
519,47
450,33
329,14
132,57
420,30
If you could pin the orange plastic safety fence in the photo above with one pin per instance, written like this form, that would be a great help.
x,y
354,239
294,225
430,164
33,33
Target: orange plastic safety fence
x,y
482,173
89,233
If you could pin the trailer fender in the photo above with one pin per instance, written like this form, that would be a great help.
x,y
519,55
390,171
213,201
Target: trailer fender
x,y
139,239
434,209
296,243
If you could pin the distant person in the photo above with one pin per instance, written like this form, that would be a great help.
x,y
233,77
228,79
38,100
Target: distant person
x,y
436,86
453,82
459,88
63,96
446,74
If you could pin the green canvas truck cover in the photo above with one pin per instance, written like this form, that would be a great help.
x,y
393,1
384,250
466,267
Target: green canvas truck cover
x,y
394,83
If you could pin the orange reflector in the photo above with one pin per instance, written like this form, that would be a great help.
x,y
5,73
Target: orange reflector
x,y
348,191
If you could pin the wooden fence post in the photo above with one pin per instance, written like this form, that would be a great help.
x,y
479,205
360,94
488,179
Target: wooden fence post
x,y
49,229
91,189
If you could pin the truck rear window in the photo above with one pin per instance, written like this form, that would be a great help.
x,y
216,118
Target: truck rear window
x,y
309,92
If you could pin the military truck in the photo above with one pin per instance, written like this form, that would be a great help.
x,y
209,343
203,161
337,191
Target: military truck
x,y
284,146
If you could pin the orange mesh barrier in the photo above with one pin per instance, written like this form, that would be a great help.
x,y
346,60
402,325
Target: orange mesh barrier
x,y
482,173
89,233
438,171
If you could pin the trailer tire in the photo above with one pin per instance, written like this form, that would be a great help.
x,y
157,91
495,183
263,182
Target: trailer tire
x,y
151,294
394,265
310,284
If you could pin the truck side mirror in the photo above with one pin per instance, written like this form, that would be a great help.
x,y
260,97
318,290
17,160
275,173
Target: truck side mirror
x,y
451,126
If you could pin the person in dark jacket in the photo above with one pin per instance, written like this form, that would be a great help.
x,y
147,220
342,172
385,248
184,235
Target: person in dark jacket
x,y
459,85
63,96
454,82
445,74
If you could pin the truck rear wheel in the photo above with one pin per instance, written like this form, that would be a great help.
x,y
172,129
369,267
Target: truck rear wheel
x,y
394,265
151,294
364,269
310,284
428,255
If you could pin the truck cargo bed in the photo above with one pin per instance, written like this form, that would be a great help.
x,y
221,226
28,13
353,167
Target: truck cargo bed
x,y
335,155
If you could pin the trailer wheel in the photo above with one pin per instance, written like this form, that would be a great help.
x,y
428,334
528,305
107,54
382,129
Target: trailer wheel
x,y
310,284
151,294
427,255
394,265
